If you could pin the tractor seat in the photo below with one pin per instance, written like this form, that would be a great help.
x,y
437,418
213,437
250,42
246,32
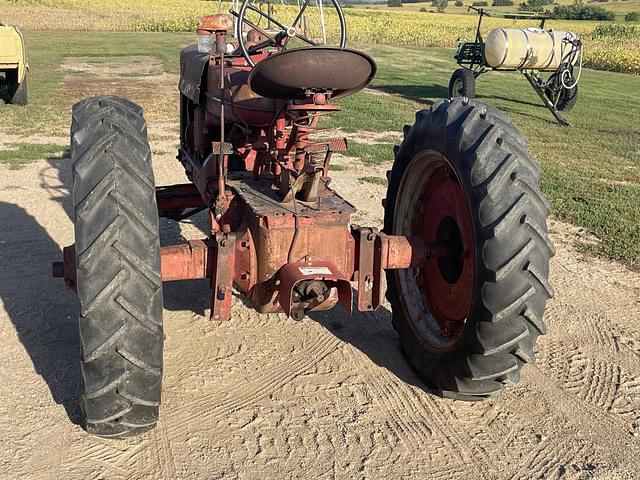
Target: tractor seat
x,y
291,74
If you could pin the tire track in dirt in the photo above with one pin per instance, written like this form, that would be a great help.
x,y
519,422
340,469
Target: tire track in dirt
x,y
551,458
456,432
116,460
588,358
419,419
539,435
579,412
409,432
162,440
406,430
598,382
209,409
110,459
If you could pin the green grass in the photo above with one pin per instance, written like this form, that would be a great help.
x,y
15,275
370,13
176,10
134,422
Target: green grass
x,y
338,168
591,171
374,180
371,154
17,155
609,210
48,109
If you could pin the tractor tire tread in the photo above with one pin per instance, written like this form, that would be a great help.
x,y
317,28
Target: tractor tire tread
x,y
513,250
118,258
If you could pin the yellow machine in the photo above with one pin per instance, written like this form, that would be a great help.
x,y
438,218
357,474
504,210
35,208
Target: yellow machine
x,y
13,64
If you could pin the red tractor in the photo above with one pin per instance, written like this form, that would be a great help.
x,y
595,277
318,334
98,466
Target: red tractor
x,y
464,246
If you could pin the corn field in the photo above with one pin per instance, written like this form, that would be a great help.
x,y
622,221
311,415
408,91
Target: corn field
x,y
607,46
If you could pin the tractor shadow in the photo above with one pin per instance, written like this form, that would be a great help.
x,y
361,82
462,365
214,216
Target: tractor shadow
x,y
43,312
425,94
373,335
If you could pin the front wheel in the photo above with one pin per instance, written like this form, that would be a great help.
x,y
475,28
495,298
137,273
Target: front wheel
x,y
462,179
462,84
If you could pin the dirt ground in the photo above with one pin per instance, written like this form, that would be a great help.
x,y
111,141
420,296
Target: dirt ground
x,y
328,397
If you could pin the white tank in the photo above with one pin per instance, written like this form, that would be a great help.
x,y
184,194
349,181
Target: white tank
x,y
526,48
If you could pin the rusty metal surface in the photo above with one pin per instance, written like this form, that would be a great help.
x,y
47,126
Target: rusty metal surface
x,y
322,270
172,198
291,73
368,272
67,268
187,261
313,107
334,145
246,265
286,233
203,175
264,200
449,292
397,251
215,22
222,276
376,252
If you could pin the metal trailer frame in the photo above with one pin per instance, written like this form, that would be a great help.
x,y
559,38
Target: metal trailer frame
x,y
470,55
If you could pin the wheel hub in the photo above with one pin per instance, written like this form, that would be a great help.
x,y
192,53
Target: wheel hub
x,y
458,87
447,281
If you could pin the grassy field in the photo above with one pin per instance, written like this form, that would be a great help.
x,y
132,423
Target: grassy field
x,y
591,170
400,26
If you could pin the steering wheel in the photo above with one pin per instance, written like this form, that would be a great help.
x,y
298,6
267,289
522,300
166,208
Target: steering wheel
x,y
277,25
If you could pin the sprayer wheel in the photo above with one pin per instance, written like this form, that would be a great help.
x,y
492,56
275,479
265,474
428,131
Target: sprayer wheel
x,y
462,84
118,268
567,96
462,179
568,99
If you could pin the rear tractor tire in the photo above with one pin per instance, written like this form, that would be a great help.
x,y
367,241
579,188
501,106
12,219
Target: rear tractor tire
x,y
462,179
118,268
462,84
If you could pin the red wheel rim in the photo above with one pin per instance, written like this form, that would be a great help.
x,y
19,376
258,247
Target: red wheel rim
x,y
443,218
437,296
